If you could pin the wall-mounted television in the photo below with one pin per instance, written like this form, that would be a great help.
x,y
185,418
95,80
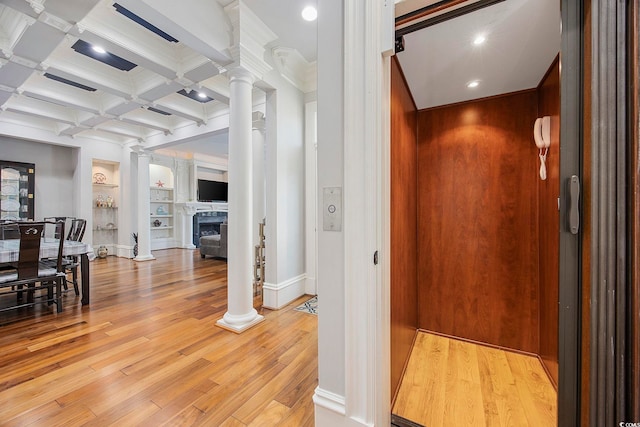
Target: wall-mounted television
x,y
212,191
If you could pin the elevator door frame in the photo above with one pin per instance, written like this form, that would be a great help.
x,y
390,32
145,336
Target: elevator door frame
x,y
569,308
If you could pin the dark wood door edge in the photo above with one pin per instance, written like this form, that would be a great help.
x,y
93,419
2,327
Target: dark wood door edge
x,y
634,205
398,421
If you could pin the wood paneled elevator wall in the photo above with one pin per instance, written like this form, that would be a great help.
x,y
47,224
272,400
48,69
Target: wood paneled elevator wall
x,y
477,221
549,226
404,285
474,230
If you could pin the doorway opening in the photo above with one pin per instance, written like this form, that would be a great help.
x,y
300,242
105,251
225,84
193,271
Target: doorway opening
x,y
474,220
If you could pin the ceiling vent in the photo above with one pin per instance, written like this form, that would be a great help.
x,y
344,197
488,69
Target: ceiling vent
x,y
69,82
110,59
149,26
155,110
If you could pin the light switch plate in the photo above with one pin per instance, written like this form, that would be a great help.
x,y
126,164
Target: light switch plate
x,y
332,209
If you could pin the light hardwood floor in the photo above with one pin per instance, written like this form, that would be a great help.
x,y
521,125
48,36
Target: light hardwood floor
x,y
146,351
449,382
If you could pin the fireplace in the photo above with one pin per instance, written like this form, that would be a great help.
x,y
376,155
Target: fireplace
x,y
207,224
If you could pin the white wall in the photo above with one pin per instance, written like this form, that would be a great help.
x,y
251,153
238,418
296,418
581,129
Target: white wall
x,y
55,165
311,195
331,255
212,175
284,169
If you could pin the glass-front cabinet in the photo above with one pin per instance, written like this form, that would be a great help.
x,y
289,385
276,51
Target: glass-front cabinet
x,y
17,189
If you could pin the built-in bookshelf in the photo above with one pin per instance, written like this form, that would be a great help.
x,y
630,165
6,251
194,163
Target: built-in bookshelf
x,y
106,200
161,207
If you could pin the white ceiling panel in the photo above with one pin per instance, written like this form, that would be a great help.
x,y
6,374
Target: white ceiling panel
x,y
522,40
38,43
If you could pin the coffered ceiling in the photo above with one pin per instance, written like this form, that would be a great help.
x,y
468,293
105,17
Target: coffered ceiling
x,y
49,84
51,79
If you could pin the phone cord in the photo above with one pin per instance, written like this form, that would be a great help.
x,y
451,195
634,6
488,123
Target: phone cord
x,y
543,166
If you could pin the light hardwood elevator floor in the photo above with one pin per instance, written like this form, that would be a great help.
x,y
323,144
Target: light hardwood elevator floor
x,y
450,382
146,352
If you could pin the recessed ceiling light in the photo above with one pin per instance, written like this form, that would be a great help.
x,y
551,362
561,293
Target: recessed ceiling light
x,y
309,13
473,84
201,95
479,39
98,49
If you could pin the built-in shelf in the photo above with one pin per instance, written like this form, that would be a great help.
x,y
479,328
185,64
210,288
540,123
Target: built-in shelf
x,y
162,210
103,194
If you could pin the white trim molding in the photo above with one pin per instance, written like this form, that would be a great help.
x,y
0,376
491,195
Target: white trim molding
x,y
277,295
124,251
328,400
295,68
330,410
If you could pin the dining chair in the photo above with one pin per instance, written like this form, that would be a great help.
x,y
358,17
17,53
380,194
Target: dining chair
x,y
32,274
8,230
76,231
64,219
72,262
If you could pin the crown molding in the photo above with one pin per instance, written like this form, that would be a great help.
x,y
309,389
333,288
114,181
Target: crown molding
x,y
295,68
13,25
55,22
37,5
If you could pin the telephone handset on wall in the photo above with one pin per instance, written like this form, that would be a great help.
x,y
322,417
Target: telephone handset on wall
x,y
542,138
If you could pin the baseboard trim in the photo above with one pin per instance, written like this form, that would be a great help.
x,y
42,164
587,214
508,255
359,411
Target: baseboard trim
x,y
276,296
330,410
124,251
329,400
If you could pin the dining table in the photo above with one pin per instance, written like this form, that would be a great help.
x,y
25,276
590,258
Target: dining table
x,y
10,250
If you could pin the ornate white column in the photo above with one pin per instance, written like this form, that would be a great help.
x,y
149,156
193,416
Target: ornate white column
x,y
240,313
185,213
144,190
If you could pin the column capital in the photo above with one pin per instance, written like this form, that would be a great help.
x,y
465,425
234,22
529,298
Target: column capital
x,y
241,74
257,121
140,150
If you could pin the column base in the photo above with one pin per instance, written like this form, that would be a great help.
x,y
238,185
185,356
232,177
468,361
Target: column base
x,y
239,327
144,258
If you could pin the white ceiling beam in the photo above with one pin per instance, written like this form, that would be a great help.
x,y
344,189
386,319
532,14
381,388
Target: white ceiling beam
x,y
135,122
207,31
37,108
180,113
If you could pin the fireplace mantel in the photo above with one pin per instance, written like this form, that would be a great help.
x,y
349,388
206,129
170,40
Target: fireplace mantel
x,y
186,211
